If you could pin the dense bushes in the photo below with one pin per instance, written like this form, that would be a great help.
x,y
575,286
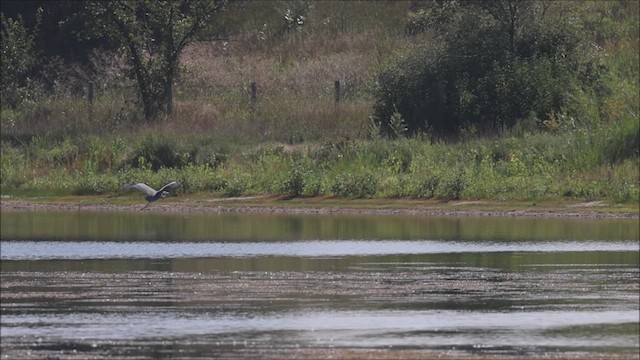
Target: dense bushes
x,y
166,151
578,165
19,56
477,73
157,151
622,141
354,185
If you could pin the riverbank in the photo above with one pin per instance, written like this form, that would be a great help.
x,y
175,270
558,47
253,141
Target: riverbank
x,y
328,205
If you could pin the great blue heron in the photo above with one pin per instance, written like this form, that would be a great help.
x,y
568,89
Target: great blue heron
x,y
152,195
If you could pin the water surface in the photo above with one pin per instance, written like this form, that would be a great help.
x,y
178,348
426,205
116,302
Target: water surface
x,y
141,285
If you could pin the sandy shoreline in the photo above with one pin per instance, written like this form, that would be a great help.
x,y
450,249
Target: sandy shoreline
x,y
381,207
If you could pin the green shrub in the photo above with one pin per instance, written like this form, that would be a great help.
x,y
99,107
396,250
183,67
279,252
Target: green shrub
x,y
427,185
95,184
452,185
409,91
195,178
14,169
473,78
19,56
623,192
158,151
313,184
293,184
102,155
58,179
238,185
65,153
354,185
623,141
587,191
396,186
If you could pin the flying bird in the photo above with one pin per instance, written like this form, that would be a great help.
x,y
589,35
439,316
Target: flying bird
x,y
152,195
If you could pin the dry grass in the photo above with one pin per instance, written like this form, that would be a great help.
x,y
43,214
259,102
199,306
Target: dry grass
x,y
295,90
294,71
208,74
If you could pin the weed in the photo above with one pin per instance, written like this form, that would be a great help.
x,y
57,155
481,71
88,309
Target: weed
x,y
452,185
94,184
427,185
293,184
354,185
158,151
238,185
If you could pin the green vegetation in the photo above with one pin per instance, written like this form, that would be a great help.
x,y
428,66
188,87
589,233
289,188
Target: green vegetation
x,y
560,127
490,66
18,57
152,42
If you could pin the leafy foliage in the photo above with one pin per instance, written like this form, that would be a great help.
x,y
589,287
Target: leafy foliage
x,y
18,58
161,151
494,64
153,35
359,185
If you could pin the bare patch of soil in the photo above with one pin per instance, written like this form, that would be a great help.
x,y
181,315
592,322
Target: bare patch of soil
x,y
272,205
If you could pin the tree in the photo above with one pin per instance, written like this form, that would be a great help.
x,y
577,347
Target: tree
x,y
57,27
18,58
152,34
510,15
489,64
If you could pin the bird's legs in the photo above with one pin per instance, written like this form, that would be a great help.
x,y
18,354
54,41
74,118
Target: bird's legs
x,y
146,205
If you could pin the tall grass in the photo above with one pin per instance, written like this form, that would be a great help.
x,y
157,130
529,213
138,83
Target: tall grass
x,y
536,168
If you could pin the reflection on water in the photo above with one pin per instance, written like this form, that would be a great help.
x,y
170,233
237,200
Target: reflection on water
x,y
340,328
47,250
130,285
136,226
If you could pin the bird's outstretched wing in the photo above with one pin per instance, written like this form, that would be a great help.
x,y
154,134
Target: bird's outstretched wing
x,y
170,186
140,186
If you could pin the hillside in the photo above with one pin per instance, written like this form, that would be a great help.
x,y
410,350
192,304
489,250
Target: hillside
x,y
295,139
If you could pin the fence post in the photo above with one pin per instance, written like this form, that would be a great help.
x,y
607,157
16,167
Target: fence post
x,y
90,93
337,90
90,99
254,94
169,100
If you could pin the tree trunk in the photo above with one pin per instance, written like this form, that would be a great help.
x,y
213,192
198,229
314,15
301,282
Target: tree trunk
x,y
165,97
169,98
150,109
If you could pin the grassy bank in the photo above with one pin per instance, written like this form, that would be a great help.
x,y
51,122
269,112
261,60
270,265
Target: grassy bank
x,y
584,166
294,140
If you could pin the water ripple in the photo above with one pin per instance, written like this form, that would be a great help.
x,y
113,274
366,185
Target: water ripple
x,y
53,250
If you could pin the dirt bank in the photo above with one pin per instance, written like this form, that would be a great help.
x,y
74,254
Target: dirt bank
x,y
324,206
